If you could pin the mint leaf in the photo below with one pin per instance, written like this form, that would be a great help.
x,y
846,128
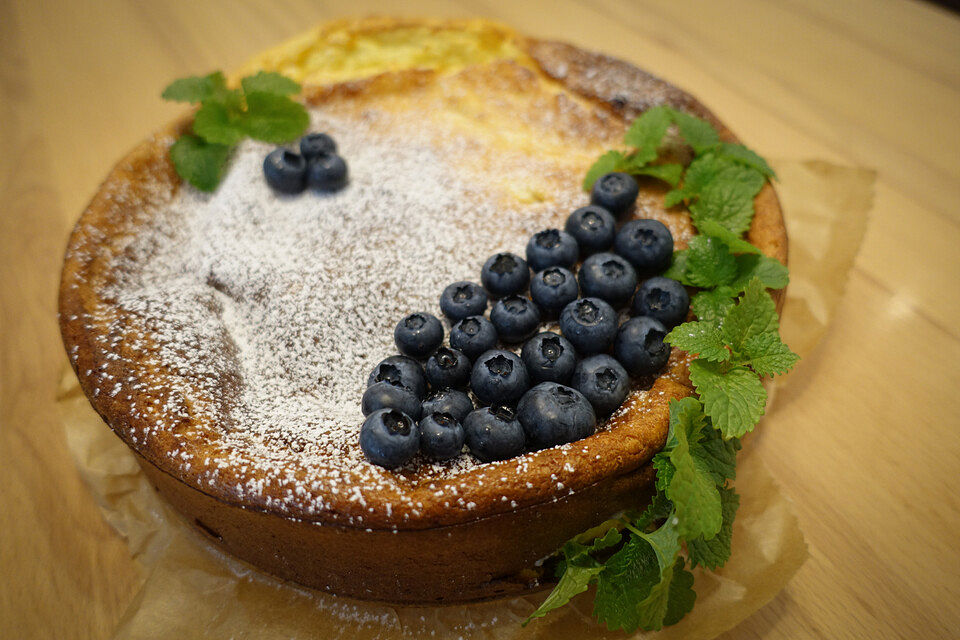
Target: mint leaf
x,y
698,133
754,313
733,399
768,355
197,88
659,507
626,580
198,162
215,123
664,468
769,271
270,82
735,243
717,456
702,338
610,161
728,198
686,420
646,133
699,174
709,262
715,552
746,157
678,267
692,490
713,305
273,118
681,596
669,173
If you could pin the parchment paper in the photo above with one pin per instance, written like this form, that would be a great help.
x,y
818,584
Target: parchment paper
x,y
190,589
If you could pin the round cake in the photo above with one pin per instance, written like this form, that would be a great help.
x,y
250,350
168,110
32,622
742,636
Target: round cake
x,y
227,337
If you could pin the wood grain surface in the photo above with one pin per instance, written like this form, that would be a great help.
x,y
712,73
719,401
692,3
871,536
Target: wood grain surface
x,y
866,442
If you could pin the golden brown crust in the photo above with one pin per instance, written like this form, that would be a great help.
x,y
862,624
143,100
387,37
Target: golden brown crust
x,y
553,480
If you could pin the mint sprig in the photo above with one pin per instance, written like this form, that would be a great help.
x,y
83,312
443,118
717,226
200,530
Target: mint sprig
x,y
261,109
639,567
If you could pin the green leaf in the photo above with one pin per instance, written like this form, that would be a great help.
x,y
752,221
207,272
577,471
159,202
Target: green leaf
x,y
270,82
717,456
681,595
646,133
692,490
715,552
626,580
686,420
273,118
754,313
743,155
728,198
664,469
198,162
217,124
733,399
674,197
709,262
665,543
702,338
669,173
197,88
610,161
768,355
698,133
713,305
678,267
735,243
769,271
659,507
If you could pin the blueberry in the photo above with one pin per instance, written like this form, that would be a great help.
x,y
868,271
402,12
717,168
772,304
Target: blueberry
x,y
327,172
463,299
499,376
285,171
515,318
457,403
384,395
553,289
548,357
609,277
448,368
389,438
593,228
590,324
640,347
553,414
441,436
418,335
494,433
616,192
313,145
504,274
401,370
663,299
473,336
603,381
552,248
646,244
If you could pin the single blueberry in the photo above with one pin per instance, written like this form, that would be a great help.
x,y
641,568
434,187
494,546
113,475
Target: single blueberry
x,y
313,145
646,244
327,172
285,171
553,414
384,395
499,376
515,318
590,324
448,368
603,381
400,370
640,347
494,433
549,357
552,248
616,192
504,274
463,299
457,403
441,436
553,289
609,277
389,438
473,336
593,228
418,335
663,299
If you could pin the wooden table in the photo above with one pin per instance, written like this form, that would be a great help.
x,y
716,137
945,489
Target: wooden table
x,y
867,445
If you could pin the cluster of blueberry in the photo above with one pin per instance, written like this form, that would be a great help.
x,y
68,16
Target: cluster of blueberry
x,y
317,166
556,388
